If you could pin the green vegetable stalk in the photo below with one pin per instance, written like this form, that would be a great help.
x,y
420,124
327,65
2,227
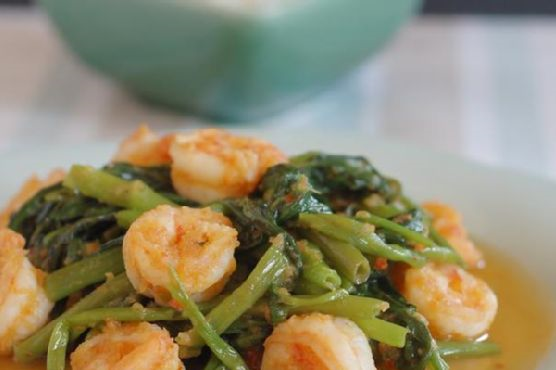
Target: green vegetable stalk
x,y
126,217
222,350
360,235
301,301
439,253
351,307
304,286
57,346
70,279
467,349
272,264
36,345
91,317
315,270
214,364
383,331
113,190
345,258
361,310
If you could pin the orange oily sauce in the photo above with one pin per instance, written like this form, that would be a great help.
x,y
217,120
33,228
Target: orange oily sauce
x,y
524,326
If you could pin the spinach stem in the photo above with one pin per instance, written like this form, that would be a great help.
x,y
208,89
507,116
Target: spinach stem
x,y
222,350
57,346
70,279
272,264
110,189
36,345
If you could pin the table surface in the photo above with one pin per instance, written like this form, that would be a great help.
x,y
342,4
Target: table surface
x,y
481,87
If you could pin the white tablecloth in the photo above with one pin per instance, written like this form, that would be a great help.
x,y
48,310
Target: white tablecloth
x,y
481,87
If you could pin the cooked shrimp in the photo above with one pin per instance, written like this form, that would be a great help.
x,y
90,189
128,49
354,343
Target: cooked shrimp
x,y
144,148
28,189
24,306
455,303
447,221
198,243
317,342
130,346
213,164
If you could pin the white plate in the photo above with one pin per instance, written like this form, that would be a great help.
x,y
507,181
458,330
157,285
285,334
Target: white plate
x,y
503,208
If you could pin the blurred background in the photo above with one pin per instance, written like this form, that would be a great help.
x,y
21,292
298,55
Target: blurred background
x,y
473,77
520,7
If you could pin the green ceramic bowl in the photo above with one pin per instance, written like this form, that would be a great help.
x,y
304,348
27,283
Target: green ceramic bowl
x,y
226,63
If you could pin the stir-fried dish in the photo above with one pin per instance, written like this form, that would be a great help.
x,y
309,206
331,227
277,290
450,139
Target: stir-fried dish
x,y
207,250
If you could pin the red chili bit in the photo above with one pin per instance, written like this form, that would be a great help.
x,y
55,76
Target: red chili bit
x,y
254,357
391,365
289,198
174,304
419,247
381,263
180,232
